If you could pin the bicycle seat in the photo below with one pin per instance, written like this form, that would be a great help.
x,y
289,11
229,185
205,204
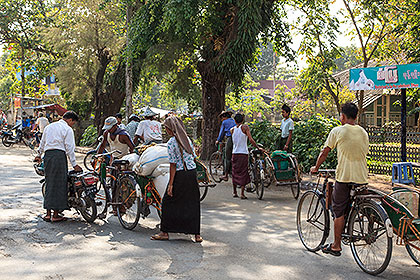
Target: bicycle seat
x,y
120,162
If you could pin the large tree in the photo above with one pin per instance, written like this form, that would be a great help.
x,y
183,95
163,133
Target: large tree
x,y
222,36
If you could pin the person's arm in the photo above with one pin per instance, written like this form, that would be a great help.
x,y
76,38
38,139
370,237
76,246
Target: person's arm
x,y
126,140
172,171
289,139
221,133
103,144
70,147
35,127
321,158
247,131
41,148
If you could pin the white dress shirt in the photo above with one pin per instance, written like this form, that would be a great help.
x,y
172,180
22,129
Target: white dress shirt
x,y
59,136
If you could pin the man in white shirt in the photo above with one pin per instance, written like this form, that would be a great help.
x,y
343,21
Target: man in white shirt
x,y
40,123
57,143
149,130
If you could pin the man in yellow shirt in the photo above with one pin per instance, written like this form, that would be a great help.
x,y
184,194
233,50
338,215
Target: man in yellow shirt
x,y
352,143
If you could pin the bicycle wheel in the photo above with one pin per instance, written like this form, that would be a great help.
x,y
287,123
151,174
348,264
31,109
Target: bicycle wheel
x,y
7,140
313,221
128,203
216,166
203,191
259,180
88,210
87,161
268,172
369,243
412,251
102,200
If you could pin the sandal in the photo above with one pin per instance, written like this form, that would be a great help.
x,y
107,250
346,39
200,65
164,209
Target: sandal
x,y
159,237
244,197
59,219
199,239
46,218
327,249
235,195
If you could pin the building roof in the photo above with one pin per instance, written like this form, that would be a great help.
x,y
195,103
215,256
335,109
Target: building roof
x,y
269,85
60,110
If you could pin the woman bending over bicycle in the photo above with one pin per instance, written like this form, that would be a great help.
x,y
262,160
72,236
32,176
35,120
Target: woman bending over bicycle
x,y
352,143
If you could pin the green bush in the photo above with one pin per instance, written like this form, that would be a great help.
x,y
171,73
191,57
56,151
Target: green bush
x,y
308,139
266,134
89,136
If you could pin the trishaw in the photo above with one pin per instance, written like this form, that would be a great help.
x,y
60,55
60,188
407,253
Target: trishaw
x,y
283,168
402,206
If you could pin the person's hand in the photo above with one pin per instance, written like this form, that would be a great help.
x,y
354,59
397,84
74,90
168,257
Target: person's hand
x,y
286,147
77,168
170,188
37,159
314,170
217,143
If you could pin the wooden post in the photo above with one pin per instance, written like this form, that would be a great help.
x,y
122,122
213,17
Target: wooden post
x,y
403,125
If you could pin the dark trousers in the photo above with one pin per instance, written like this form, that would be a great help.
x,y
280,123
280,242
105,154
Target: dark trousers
x,y
228,156
283,142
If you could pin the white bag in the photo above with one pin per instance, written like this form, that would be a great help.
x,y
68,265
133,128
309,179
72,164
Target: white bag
x,y
161,182
132,159
150,159
162,169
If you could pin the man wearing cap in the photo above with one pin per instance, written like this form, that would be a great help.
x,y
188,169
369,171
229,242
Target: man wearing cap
x,y
116,137
131,127
227,124
149,130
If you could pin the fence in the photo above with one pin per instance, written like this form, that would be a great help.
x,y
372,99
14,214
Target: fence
x,y
392,135
381,157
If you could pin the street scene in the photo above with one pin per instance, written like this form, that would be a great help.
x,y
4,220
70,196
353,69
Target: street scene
x,y
169,139
249,239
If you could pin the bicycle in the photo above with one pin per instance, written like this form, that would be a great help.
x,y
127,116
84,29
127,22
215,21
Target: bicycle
x,y
217,163
368,229
256,172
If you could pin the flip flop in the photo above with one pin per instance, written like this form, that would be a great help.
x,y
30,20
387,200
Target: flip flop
x,y
198,240
327,249
46,219
244,197
159,237
60,219
235,195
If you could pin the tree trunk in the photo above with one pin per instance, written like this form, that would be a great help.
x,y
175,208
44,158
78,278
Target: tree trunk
x,y
129,68
360,105
213,102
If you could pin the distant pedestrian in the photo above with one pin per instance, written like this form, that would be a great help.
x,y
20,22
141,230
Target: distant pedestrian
x,y
119,120
57,143
227,124
287,127
181,202
240,136
149,130
131,127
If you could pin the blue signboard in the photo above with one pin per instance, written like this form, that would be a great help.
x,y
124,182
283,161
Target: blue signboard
x,y
385,77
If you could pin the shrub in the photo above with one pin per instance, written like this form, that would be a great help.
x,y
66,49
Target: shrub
x,y
308,139
266,134
89,136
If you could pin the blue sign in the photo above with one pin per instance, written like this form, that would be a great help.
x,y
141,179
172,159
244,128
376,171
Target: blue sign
x,y
385,77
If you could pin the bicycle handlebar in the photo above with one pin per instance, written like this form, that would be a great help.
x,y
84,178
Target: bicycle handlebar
x,y
107,154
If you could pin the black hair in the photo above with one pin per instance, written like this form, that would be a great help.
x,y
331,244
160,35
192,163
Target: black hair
x,y
226,115
134,118
40,115
239,118
286,108
118,115
350,110
71,115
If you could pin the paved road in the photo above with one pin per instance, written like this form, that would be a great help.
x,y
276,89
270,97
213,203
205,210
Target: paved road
x,y
243,240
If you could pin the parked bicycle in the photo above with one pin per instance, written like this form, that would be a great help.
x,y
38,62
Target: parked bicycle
x,y
257,172
368,229
217,163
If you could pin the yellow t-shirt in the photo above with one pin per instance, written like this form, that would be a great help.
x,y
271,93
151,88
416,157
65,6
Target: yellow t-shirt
x,y
352,144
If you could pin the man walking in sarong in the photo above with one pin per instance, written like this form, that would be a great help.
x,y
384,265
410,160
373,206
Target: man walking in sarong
x,y
57,143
